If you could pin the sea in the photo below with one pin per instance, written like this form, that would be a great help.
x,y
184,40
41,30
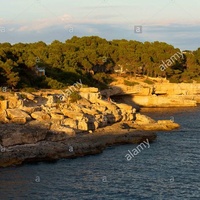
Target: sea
x,y
169,169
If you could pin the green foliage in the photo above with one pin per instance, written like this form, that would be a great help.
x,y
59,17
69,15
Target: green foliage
x,y
29,90
54,84
176,79
130,83
74,97
149,82
91,59
2,98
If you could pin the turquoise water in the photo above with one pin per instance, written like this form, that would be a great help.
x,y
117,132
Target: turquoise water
x,y
169,169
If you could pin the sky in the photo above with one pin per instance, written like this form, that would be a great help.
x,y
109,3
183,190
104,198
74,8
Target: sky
x,y
176,22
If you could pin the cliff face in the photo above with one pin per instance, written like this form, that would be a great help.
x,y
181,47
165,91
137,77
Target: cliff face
x,y
19,144
86,114
158,94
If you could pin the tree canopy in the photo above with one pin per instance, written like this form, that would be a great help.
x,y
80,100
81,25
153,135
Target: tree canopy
x,y
91,59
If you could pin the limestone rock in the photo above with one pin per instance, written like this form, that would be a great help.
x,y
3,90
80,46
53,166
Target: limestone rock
x,y
110,106
90,111
57,116
83,124
30,110
18,116
124,106
92,97
40,116
118,115
67,131
75,107
72,114
3,117
84,102
43,125
22,135
110,118
143,119
70,122
29,96
3,105
100,121
14,102
89,90
157,126
100,108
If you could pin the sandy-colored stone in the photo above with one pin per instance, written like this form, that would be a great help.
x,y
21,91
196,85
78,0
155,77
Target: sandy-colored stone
x,y
30,110
3,105
3,117
40,116
59,128
72,114
89,90
70,122
57,116
143,119
17,113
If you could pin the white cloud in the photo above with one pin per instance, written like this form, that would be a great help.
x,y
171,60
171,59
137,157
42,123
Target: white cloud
x,y
38,25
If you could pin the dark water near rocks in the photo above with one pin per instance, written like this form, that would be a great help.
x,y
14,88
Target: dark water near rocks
x,y
169,169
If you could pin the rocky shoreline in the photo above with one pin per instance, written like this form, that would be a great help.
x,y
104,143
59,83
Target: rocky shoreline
x,y
32,144
39,127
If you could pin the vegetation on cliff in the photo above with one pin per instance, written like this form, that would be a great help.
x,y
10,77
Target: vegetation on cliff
x,y
91,59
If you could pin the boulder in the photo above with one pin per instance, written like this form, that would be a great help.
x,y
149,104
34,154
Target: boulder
x,y
19,120
18,116
72,114
143,119
83,124
89,90
3,105
63,129
110,118
110,106
29,96
100,121
90,111
84,102
125,107
30,110
70,122
100,108
40,116
14,102
118,115
57,116
3,117
92,97
76,107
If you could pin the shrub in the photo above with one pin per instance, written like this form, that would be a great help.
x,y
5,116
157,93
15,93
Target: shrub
x,y
2,98
130,83
74,97
29,90
149,82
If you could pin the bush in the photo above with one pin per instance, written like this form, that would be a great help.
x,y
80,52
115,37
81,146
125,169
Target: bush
x,y
149,82
74,97
2,98
54,84
29,90
130,83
